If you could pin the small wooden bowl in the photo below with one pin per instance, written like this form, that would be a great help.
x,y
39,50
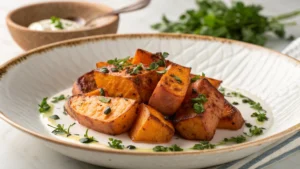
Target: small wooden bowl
x,y
19,19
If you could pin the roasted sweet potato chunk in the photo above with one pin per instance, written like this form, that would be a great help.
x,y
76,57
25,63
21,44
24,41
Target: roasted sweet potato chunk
x,y
114,117
232,118
119,84
171,89
123,84
216,83
200,126
144,57
151,126
84,84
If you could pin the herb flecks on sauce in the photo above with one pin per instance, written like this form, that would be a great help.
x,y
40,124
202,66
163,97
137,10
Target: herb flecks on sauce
x,y
237,139
203,145
260,115
56,22
58,98
131,147
175,147
116,144
44,106
87,139
54,117
60,129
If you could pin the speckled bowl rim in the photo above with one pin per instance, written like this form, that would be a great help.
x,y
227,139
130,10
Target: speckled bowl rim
x,y
10,22
13,62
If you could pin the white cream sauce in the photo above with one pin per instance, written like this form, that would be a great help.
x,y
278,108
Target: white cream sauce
x,y
47,25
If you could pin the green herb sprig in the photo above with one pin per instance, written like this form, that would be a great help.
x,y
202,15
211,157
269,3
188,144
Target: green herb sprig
x,y
237,139
120,63
116,144
59,98
261,117
172,148
239,21
44,106
60,129
56,22
87,139
203,145
198,103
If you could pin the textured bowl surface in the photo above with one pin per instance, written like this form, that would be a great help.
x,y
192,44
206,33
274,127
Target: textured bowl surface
x,y
271,77
19,19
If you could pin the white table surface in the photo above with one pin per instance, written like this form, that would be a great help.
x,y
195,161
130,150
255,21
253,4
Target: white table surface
x,y
21,151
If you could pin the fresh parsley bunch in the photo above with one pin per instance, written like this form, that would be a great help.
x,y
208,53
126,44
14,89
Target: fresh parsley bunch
x,y
240,22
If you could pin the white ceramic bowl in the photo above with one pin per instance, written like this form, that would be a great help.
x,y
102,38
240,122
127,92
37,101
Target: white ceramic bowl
x,y
270,76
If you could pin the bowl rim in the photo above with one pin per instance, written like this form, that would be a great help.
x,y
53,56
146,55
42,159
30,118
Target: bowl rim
x,y
11,23
4,68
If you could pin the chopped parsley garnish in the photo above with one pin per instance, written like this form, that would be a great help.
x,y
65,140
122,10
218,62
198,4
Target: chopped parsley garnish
x,y
65,112
54,117
248,100
165,55
222,90
237,139
114,69
114,143
160,149
235,103
59,98
195,78
203,145
261,117
153,66
120,63
257,106
176,78
107,110
161,71
57,22
44,106
248,125
131,147
175,147
198,103
137,69
102,92
103,70
87,139
60,129
256,131
104,99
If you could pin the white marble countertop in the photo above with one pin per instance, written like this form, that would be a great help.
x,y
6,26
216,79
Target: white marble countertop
x,y
21,151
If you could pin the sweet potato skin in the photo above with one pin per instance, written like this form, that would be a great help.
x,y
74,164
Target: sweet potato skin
x,y
169,92
216,83
232,118
193,126
84,84
151,127
88,112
